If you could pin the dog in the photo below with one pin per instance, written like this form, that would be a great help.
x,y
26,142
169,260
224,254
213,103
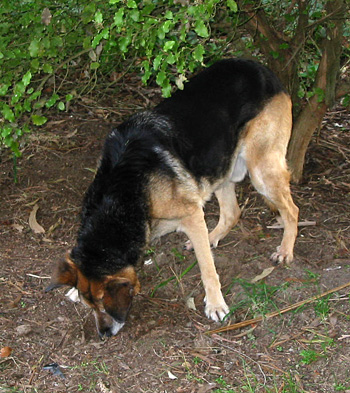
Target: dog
x,y
160,167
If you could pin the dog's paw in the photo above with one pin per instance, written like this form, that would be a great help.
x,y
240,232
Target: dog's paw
x,y
216,312
281,256
188,246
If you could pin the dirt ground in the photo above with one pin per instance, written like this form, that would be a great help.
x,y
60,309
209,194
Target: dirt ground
x,y
165,345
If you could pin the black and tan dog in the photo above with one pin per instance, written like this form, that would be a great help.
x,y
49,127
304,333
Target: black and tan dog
x,y
160,167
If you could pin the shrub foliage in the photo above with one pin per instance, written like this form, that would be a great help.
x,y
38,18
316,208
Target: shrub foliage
x,y
43,44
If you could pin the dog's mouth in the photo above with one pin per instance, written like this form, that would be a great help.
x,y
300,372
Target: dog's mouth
x,y
106,325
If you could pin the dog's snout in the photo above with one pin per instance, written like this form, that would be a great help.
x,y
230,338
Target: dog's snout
x,y
106,325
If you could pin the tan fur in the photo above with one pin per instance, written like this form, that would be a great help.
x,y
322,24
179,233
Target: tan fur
x,y
177,204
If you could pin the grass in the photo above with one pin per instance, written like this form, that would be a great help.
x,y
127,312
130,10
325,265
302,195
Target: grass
x,y
309,356
255,299
286,383
172,278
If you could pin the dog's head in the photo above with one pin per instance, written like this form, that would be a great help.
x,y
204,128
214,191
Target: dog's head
x,y
110,297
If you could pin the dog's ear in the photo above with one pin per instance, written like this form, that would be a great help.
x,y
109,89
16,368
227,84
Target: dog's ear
x,y
65,273
119,291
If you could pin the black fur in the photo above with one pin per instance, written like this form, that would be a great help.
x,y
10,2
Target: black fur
x,y
200,126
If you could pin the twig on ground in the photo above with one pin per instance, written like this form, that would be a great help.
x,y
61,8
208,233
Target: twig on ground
x,y
275,313
300,224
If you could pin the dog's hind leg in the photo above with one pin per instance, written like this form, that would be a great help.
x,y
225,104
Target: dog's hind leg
x,y
274,185
265,149
195,228
229,212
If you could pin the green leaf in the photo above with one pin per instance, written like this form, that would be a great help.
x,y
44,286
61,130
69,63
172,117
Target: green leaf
x,y
94,65
166,91
34,47
61,106
285,45
47,68
98,17
8,113
124,42
320,94
167,26
27,106
198,53
35,64
88,13
114,1
161,78
168,15
157,62
38,120
69,97
3,89
34,96
87,43
346,100
131,4
135,15
169,45
171,59
232,5
201,29
119,17
5,131
26,78
52,100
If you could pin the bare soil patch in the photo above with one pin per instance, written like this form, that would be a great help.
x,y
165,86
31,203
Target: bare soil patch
x,y
164,347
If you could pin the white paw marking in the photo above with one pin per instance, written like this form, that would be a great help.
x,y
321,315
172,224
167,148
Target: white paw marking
x,y
216,312
281,256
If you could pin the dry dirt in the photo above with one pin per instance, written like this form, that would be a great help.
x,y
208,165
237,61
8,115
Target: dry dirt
x,y
165,345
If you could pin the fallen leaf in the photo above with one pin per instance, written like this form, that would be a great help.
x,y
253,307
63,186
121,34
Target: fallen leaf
x,y
5,352
35,227
264,274
18,227
190,304
171,375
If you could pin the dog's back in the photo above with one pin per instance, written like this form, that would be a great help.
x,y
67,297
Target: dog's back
x,y
209,114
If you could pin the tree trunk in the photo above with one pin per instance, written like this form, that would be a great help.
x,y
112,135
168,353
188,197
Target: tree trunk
x,y
312,114
307,122
284,62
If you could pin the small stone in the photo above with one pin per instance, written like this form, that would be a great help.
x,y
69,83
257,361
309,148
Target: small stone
x,y
23,330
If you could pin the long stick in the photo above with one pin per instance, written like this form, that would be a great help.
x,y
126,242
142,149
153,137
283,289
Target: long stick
x,y
275,313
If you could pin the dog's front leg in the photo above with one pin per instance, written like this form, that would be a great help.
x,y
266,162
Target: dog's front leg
x,y
196,229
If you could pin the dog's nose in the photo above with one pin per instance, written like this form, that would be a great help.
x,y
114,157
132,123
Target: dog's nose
x,y
106,332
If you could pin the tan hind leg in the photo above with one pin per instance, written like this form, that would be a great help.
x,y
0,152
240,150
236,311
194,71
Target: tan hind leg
x,y
265,147
274,185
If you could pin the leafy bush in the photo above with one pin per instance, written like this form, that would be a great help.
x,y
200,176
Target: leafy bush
x,y
46,45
